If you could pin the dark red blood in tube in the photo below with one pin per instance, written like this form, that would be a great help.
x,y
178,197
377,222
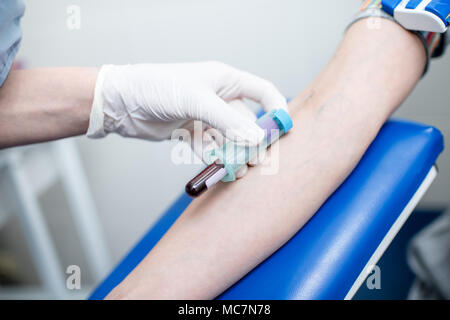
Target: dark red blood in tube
x,y
198,185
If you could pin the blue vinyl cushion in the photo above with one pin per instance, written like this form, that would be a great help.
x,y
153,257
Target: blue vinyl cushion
x,y
323,260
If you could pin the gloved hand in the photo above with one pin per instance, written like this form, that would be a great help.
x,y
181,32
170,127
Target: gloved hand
x,y
149,101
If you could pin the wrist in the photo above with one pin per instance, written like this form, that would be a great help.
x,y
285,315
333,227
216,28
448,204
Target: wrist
x,y
100,122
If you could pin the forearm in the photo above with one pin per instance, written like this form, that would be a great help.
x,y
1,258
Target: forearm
x,y
45,104
231,229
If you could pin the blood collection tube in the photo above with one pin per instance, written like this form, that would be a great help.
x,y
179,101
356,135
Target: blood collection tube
x,y
228,159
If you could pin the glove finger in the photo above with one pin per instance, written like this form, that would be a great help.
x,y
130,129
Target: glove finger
x,y
212,138
241,172
231,123
203,141
261,91
240,106
214,134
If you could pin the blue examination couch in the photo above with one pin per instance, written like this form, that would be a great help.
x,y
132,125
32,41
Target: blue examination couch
x,y
331,256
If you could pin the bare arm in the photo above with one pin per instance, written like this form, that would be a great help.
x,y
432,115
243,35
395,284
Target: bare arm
x,y
231,229
45,104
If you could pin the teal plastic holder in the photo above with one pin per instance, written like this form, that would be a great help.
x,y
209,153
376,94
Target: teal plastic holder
x,y
276,123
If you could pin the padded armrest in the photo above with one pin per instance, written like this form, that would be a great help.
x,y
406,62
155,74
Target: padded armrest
x,y
325,258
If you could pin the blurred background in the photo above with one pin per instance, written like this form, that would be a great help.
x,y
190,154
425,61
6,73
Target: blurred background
x,y
129,183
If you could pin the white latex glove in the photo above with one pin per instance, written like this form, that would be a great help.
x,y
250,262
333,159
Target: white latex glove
x,y
149,101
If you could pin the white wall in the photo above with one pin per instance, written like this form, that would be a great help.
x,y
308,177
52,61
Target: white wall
x,y
285,41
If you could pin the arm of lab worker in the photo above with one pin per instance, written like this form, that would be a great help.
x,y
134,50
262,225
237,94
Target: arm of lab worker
x,y
45,104
234,227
